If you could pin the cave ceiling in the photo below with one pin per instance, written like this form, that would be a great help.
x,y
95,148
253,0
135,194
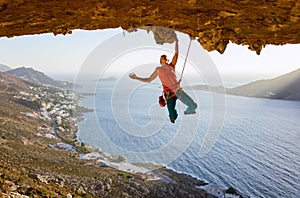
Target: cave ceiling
x,y
215,23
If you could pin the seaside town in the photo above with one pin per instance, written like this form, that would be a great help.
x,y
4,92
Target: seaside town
x,y
56,107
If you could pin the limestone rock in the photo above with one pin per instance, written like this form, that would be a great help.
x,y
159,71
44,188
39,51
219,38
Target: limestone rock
x,y
23,189
41,178
10,186
17,195
69,196
81,191
214,23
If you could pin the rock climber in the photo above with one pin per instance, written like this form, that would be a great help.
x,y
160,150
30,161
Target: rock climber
x,y
171,86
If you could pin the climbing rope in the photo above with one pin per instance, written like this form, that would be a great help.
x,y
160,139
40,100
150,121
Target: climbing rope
x,y
184,64
187,54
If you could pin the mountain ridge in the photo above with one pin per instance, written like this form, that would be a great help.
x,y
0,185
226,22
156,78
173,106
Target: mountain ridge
x,y
31,74
283,87
4,68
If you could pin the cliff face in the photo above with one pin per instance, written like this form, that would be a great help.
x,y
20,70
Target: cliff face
x,y
214,23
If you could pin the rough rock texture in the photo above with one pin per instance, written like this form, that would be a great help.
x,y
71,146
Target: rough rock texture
x,y
214,23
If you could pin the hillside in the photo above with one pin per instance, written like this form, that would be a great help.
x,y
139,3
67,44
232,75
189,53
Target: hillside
x,y
37,76
4,68
285,87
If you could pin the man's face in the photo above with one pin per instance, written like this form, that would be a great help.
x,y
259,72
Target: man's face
x,y
163,60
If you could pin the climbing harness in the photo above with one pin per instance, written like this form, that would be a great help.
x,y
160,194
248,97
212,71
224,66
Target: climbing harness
x,y
165,96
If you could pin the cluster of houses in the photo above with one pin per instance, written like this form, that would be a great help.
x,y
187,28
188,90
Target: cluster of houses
x,y
51,104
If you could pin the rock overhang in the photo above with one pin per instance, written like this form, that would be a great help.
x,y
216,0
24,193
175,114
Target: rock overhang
x,y
213,23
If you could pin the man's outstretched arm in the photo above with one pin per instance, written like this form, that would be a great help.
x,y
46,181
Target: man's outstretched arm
x,y
149,79
175,57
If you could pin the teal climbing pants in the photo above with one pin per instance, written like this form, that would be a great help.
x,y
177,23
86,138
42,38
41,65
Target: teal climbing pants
x,y
184,98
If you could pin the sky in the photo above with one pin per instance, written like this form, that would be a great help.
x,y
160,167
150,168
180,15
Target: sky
x,y
64,54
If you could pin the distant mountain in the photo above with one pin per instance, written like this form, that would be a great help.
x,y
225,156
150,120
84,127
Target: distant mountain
x,y
285,87
108,79
218,89
37,76
4,68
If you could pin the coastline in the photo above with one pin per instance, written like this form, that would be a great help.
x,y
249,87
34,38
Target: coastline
x,y
41,157
150,171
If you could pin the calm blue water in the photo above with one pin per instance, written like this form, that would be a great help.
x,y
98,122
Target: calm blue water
x,y
257,152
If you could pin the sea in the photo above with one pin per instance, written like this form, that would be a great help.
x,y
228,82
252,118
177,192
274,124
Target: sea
x,y
250,144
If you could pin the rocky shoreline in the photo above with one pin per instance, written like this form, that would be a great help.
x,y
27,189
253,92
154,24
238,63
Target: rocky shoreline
x,y
143,171
41,157
154,172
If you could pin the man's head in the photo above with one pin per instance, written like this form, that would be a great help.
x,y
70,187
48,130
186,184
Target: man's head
x,y
163,59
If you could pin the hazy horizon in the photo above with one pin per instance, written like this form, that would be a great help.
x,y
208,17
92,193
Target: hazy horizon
x,y
229,80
